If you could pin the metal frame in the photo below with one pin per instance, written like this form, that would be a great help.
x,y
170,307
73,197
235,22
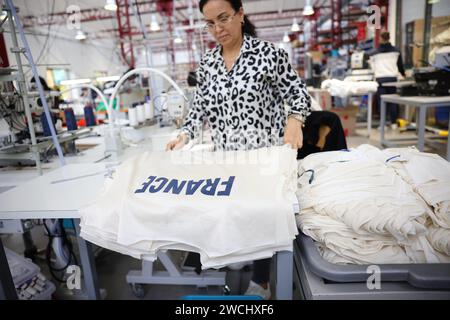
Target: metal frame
x,y
421,118
284,275
7,288
313,287
173,274
22,86
125,32
88,264
336,18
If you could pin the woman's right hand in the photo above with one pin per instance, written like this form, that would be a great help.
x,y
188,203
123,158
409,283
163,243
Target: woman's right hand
x,y
177,143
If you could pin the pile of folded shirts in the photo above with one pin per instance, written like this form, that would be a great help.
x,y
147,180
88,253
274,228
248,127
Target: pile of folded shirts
x,y
429,175
228,206
367,206
345,88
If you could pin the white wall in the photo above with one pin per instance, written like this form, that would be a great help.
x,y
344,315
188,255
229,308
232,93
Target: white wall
x,y
83,59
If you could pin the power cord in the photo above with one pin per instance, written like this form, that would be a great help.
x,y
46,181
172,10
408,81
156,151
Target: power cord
x,y
66,242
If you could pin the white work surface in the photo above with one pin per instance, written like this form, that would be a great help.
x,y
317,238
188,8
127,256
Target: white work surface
x,y
62,191
398,84
42,198
12,176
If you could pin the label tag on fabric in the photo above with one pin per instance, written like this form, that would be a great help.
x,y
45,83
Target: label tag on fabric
x,y
209,187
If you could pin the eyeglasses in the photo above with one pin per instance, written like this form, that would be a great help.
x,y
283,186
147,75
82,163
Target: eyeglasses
x,y
221,22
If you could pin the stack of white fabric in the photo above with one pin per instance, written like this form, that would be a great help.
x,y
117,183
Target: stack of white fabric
x,y
360,210
345,88
227,206
429,175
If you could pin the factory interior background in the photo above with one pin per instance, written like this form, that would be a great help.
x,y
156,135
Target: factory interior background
x,y
117,117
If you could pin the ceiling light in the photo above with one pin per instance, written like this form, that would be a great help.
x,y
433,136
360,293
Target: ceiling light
x,y
80,35
308,10
295,26
286,37
177,38
111,5
154,25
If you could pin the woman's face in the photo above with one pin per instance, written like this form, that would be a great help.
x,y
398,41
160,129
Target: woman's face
x,y
223,22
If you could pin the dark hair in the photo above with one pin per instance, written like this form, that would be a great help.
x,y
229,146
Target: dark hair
x,y
192,79
385,36
248,27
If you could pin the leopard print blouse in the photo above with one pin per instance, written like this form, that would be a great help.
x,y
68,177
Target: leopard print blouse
x,y
245,107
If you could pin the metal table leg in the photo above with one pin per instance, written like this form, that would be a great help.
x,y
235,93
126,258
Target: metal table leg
x,y
421,127
87,264
369,114
382,121
284,275
7,288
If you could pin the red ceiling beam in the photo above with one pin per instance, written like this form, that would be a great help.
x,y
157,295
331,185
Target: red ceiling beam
x,y
125,32
336,20
87,15
96,14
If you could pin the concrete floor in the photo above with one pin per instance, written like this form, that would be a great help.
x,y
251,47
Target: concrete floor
x,y
112,267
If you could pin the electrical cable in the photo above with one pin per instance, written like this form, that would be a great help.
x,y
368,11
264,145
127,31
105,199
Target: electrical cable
x,y
66,242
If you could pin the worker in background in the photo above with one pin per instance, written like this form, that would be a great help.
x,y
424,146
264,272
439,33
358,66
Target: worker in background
x,y
387,65
242,86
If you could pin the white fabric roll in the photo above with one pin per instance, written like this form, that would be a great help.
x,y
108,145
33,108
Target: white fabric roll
x,y
140,113
132,117
149,110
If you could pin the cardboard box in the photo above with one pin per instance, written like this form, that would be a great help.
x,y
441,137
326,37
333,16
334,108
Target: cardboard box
x,y
348,117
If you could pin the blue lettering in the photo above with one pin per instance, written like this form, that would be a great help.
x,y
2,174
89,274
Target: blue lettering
x,y
192,186
174,186
209,189
154,189
229,185
145,185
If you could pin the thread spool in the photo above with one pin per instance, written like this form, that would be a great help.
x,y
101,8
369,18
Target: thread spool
x,y
45,126
148,110
89,116
71,122
132,116
140,113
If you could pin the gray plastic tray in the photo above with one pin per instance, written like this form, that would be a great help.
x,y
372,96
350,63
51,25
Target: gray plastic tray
x,y
429,276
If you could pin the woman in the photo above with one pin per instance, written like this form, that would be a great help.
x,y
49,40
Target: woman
x,y
242,86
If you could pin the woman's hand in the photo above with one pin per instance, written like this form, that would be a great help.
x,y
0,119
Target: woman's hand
x,y
177,143
293,133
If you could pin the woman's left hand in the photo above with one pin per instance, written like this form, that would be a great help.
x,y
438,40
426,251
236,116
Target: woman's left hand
x,y
293,133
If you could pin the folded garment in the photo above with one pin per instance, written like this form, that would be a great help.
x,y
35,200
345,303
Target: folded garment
x,y
439,239
381,202
429,175
206,202
359,248
360,208
345,88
